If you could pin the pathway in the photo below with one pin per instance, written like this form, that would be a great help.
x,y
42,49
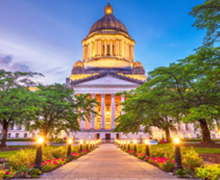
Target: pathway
x,y
107,163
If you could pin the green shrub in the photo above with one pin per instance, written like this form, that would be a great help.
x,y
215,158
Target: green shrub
x,y
191,159
22,158
59,152
209,172
184,173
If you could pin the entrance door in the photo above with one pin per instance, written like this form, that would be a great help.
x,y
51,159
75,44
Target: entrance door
x,y
117,136
107,138
97,136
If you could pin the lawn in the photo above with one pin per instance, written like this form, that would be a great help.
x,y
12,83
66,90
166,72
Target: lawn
x,y
198,150
5,154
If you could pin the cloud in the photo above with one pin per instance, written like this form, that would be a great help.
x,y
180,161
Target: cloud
x,y
6,62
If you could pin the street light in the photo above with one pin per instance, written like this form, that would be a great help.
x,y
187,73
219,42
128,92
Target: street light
x,y
87,145
80,145
178,163
128,142
38,162
69,141
135,146
147,147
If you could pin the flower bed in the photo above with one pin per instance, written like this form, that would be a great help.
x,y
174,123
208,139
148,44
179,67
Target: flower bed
x,y
22,164
191,161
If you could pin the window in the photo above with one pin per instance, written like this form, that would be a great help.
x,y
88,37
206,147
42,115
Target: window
x,y
213,136
187,127
25,135
0,135
197,136
17,135
9,135
103,50
108,50
19,127
113,50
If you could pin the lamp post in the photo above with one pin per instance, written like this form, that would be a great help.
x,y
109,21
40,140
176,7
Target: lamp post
x,y
147,147
38,162
69,141
128,142
80,145
135,145
124,144
178,163
87,145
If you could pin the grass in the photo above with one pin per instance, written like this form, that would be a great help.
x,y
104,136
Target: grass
x,y
5,154
171,146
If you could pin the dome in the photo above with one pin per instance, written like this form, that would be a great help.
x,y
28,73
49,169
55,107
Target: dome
x,y
108,22
78,64
137,64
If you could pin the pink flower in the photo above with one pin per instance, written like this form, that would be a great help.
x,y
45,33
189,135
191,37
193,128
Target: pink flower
x,y
7,172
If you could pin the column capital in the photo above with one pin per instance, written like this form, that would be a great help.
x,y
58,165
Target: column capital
x,y
93,95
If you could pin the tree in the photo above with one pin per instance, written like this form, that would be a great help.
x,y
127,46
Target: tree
x,y
15,99
208,17
196,80
148,108
58,110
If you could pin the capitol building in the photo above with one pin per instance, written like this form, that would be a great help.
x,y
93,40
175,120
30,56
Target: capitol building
x,y
108,66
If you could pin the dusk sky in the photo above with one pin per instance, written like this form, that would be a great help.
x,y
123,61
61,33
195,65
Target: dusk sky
x,y
45,35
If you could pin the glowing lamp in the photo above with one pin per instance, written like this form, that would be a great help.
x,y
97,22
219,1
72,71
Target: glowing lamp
x,y
135,141
128,142
87,142
176,140
81,142
70,141
40,140
147,141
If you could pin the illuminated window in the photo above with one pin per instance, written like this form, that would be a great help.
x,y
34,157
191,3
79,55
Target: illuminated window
x,y
108,50
25,135
113,50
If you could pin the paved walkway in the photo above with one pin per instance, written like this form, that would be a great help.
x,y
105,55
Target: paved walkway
x,y
107,162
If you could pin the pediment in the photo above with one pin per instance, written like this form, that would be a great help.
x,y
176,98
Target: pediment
x,y
107,80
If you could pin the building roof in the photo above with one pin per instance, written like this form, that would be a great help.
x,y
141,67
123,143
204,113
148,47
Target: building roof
x,y
108,22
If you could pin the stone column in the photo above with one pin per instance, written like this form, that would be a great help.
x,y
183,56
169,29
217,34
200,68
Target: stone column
x,y
113,112
99,47
117,47
106,43
132,52
125,52
111,54
82,122
128,52
84,52
120,47
122,100
96,48
103,112
93,115
91,50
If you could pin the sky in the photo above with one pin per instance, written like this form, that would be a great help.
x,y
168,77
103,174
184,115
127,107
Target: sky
x,y
45,35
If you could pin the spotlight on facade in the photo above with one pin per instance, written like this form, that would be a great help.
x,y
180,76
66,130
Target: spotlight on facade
x,y
178,162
